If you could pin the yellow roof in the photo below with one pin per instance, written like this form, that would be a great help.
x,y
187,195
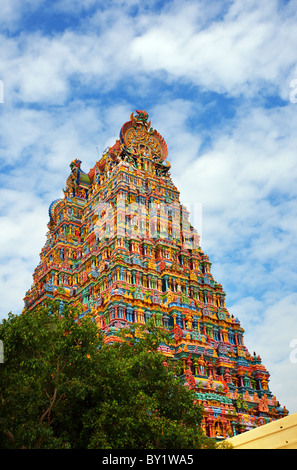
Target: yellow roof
x,y
279,434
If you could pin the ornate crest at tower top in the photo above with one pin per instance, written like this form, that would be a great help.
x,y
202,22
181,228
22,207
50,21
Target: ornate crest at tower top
x,y
140,138
141,119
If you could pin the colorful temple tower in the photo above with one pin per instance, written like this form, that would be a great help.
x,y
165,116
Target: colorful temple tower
x,y
120,244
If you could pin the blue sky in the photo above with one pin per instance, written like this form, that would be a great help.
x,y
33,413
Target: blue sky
x,y
216,79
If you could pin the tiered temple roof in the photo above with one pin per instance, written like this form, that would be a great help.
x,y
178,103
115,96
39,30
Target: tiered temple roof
x,y
121,245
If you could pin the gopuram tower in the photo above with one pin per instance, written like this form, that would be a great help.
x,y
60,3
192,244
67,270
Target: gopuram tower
x,y
120,244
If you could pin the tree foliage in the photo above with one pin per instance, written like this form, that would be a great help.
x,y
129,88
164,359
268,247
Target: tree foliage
x,y
61,386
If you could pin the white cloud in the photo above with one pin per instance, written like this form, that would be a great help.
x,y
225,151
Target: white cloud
x,y
74,6
38,69
171,119
251,47
12,10
22,234
22,224
16,279
239,52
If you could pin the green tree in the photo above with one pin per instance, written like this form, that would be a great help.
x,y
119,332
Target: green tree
x,y
61,386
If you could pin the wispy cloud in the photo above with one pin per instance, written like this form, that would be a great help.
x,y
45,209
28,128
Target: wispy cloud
x,y
247,48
